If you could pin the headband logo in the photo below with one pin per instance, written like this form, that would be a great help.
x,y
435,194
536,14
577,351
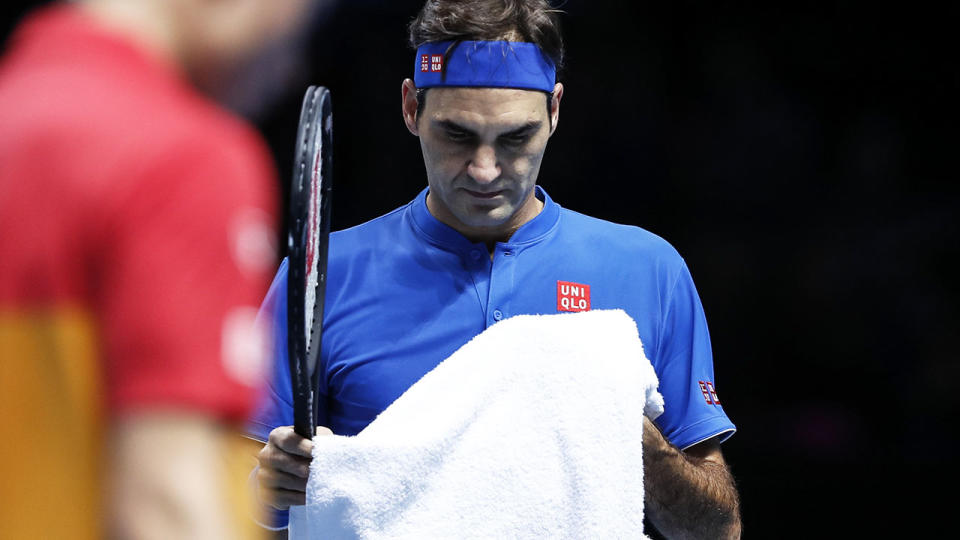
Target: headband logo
x,y
431,63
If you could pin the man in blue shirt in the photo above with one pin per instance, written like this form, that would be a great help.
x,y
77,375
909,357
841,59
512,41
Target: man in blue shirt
x,y
483,242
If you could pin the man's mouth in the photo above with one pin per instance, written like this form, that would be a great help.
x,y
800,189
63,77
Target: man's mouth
x,y
483,194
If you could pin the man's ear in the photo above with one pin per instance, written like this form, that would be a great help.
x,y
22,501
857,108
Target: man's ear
x,y
408,92
555,106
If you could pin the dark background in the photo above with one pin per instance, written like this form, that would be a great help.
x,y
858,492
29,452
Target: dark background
x,y
801,159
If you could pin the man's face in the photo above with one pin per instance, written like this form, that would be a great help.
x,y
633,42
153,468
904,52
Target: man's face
x,y
218,40
482,148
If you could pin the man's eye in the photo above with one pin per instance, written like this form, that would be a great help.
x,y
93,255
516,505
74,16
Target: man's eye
x,y
457,136
515,140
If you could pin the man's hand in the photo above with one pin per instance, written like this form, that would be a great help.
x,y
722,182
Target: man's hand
x,y
284,467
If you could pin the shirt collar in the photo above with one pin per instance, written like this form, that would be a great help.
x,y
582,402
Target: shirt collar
x,y
531,232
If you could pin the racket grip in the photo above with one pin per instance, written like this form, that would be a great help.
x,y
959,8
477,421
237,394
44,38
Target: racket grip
x,y
303,420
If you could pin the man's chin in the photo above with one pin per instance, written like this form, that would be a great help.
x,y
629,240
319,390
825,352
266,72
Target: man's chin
x,y
485,220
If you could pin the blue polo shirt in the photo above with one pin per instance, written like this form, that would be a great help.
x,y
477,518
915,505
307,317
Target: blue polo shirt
x,y
404,291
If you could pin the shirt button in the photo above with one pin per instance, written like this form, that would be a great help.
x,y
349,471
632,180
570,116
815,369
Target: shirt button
x,y
497,314
507,253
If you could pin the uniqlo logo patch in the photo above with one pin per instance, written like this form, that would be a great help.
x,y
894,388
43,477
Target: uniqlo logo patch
x,y
431,63
709,393
573,296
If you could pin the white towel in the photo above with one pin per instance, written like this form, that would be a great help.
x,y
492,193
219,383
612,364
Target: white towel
x,y
530,430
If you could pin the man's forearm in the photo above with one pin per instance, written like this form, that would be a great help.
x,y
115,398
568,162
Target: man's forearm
x,y
689,495
168,478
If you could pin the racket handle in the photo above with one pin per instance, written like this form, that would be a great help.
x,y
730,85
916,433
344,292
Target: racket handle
x,y
304,423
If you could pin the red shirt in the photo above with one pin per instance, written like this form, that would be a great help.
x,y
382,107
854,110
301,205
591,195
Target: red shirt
x,y
135,245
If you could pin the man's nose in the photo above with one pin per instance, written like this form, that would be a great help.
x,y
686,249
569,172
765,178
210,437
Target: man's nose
x,y
483,166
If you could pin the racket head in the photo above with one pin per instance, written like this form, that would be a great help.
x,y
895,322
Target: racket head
x,y
307,241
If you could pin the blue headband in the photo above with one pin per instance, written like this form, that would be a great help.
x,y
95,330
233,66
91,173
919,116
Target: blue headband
x,y
495,64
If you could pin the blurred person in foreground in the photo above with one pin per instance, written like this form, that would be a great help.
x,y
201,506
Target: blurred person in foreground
x,y
483,242
137,222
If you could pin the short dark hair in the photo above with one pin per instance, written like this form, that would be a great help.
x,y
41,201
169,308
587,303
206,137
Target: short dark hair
x,y
532,21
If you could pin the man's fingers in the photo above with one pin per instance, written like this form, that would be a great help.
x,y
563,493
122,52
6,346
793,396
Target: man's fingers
x,y
287,440
270,479
282,499
284,467
272,458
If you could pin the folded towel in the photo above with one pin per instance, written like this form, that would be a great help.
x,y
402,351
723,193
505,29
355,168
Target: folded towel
x,y
530,430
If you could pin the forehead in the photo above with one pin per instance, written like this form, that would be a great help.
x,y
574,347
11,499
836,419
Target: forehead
x,y
485,105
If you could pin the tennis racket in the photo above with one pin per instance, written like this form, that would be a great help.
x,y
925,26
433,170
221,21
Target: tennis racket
x,y
308,233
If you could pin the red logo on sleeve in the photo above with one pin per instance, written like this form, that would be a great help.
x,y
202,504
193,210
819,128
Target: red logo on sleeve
x,y
424,63
573,296
709,393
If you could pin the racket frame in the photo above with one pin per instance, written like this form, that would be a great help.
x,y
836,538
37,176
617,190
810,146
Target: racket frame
x,y
313,156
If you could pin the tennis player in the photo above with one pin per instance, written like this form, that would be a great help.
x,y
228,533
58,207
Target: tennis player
x,y
136,219
482,242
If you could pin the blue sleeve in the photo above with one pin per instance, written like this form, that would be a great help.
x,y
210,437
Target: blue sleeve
x,y
275,406
692,410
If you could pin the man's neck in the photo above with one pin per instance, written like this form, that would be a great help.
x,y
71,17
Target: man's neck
x,y
145,23
488,235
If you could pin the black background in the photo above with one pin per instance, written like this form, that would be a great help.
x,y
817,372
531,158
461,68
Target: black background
x,y
801,158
